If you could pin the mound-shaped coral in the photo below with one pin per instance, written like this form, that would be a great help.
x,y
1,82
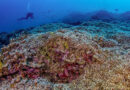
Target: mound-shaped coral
x,y
64,59
59,59
76,57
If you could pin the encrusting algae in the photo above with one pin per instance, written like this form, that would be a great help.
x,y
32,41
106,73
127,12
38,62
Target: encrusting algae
x,y
63,59
1,65
71,58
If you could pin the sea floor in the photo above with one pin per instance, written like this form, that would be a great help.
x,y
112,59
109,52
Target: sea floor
x,y
94,55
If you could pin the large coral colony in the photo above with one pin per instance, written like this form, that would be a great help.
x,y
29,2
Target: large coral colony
x,y
71,57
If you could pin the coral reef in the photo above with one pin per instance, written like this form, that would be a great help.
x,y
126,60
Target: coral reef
x,y
125,16
103,15
64,59
68,57
58,56
75,18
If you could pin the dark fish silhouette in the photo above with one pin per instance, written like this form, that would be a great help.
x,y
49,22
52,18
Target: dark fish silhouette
x,y
28,15
116,10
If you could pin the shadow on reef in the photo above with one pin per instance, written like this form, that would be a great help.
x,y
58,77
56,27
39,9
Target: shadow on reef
x,y
76,18
103,15
125,16
6,37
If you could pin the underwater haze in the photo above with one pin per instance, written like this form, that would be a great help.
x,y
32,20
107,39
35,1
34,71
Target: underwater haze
x,y
47,11
64,44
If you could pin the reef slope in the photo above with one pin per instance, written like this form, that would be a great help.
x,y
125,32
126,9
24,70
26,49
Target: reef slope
x,y
93,55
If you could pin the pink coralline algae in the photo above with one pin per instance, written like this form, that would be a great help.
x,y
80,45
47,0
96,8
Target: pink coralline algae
x,y
64,57
64,60
58,60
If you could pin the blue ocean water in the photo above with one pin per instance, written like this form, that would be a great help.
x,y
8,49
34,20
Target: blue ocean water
x,y
48,11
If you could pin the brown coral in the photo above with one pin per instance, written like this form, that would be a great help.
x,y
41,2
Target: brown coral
x,y
64,59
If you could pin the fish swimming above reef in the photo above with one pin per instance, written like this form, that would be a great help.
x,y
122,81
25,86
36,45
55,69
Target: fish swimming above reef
x,y
28,15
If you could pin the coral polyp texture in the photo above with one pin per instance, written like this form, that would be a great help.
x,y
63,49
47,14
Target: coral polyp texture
x,y
68,58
